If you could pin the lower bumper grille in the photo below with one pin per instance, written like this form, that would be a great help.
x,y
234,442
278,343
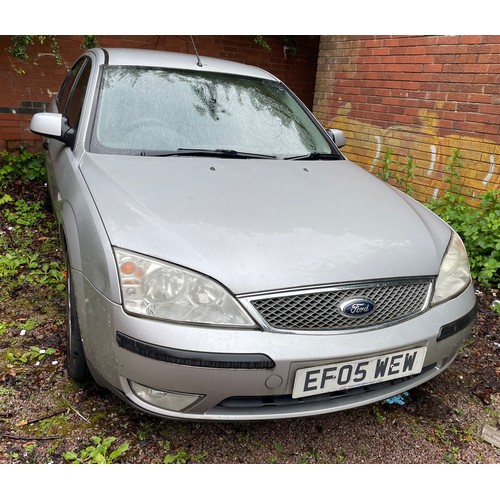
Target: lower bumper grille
x,y
319,309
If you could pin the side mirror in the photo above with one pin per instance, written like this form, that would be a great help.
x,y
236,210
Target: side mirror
x,y
53,126
337,136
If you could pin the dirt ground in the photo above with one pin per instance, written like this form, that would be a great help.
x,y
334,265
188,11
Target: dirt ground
x,y
47,418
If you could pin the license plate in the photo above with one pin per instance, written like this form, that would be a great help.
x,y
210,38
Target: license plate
x,y
349,374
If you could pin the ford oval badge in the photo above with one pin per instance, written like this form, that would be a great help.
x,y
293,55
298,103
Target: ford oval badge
x,y
354,308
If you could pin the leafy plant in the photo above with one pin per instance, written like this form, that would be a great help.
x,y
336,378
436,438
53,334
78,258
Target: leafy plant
x,y
479,228
6,198
262,43
496,306
28,226
406,176
98,453
28,325
23,165
20,44
38,354
25,213
89,42
452,169
385,170
402,175
15,358
49,273
34,354
181,457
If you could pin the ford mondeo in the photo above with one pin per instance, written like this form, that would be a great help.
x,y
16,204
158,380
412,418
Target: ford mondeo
x,y
225,261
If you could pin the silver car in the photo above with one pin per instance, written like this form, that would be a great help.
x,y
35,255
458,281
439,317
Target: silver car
x,y
225,260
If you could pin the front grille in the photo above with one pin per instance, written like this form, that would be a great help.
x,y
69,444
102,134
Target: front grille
x,y
319,309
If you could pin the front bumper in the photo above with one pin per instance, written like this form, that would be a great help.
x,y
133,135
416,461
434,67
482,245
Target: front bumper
x,y
249,374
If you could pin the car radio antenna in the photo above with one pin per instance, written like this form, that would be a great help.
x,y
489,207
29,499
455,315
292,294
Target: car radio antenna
x,y
196,52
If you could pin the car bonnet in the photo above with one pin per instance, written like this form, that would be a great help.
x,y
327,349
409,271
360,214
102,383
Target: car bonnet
x,y
258,225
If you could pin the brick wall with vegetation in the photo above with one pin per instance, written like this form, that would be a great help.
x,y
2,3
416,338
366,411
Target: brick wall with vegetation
x,y
427,98
26,87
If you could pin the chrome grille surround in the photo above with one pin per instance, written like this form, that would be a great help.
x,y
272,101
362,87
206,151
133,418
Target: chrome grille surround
x,y
317,309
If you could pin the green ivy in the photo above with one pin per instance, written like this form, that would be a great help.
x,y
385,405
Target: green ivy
x,y
20,46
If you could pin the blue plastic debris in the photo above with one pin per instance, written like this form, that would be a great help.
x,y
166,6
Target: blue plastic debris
x,y
399,399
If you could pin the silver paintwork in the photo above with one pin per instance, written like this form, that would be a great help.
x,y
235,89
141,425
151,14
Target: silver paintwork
x,y
256,226
285,226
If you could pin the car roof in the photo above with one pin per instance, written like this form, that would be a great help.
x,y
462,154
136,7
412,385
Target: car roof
x,y
162,59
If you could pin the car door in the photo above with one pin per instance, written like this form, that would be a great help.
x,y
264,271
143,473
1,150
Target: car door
x,y
60,160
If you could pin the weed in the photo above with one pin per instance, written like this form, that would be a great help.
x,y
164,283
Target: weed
x,y
23,165
28,325
452,169
17,358
379,414
401,174
182,457
315,456
6,198
25,213
98,453
406,177
30,447
34,354
494,307
363,451
452,455
19,264
385,170
38,354
479,228
146,429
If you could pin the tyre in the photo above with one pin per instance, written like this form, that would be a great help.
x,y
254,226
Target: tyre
x,y
77,365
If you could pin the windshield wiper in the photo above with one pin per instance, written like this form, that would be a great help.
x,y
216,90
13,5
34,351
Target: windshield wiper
x,y
315,155
219,153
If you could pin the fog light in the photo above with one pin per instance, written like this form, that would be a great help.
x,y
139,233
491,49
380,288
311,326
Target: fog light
x,y
173,401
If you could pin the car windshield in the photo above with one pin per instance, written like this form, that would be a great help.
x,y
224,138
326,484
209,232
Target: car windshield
x,y
160,111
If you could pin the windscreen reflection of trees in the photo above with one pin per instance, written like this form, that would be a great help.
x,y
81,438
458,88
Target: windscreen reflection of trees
x,y
157,110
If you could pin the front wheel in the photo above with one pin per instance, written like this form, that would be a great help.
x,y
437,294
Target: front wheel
x,y
76,362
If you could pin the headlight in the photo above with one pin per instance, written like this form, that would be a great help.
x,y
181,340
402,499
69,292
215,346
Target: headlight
x,y
164,291
454,274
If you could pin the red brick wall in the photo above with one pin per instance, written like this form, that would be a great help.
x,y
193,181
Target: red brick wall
x,y
23,94
419,96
